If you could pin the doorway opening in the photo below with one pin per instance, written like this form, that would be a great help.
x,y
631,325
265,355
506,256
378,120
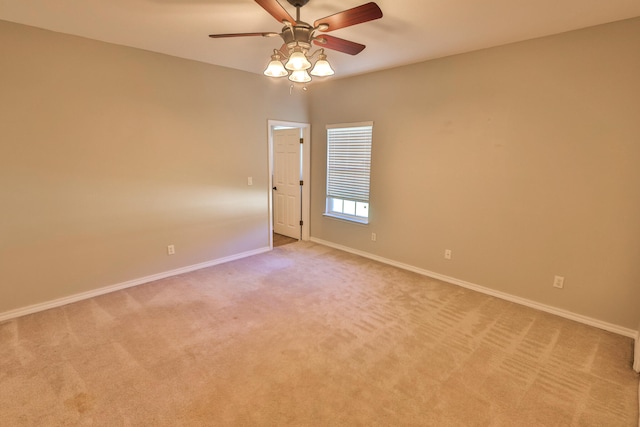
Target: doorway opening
x,y
281,240
289,178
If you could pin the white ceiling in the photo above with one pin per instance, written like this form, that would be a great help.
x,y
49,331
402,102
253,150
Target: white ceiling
x,y
410,31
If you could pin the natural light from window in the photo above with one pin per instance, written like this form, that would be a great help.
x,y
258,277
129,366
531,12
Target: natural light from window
x,y
348,171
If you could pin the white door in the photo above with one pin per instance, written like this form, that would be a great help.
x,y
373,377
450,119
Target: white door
x,y
286,182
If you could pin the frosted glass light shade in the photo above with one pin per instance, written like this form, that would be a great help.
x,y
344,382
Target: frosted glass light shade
x,y
275,69
297,62
300,76
322,68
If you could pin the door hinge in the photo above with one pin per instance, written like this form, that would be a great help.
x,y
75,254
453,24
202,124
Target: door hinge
x,y
301,223
301,140
301,182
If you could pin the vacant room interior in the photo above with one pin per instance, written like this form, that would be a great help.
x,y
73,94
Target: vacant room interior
x,y
510,140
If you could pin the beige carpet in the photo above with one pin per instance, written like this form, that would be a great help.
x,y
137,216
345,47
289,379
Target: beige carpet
x,y
308,335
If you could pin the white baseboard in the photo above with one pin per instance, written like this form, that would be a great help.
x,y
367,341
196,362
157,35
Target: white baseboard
x,y
128,284
488,291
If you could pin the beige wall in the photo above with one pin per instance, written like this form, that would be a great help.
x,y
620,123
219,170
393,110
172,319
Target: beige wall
x,y
108,154
524,160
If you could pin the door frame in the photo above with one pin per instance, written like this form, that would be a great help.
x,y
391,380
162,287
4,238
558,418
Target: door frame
x,y
306,174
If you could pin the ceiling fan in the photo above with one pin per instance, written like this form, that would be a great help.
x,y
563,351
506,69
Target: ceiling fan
x,y
298,37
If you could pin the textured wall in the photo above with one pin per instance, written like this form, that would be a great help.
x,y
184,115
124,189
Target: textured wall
x,y
108,154
521,159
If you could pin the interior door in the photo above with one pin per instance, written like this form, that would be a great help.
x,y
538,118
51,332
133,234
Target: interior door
x,y
286,182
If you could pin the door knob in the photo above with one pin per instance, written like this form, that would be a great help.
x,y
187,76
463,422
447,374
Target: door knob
x,y
275,188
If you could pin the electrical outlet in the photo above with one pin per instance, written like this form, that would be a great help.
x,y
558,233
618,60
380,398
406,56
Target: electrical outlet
x,y
558,282
374,237
171,250
447,254
250,180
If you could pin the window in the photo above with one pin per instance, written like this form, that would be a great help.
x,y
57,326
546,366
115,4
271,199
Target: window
x,y
348,171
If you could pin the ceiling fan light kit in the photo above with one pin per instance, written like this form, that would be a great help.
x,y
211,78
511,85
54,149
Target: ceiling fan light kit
x,y
322,68
275,67
297,60
300,76
299,36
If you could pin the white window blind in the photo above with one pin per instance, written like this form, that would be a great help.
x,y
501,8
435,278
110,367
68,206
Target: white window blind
x,y
349,167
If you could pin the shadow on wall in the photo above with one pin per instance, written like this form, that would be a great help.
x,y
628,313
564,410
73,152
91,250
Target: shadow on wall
x,y
636,353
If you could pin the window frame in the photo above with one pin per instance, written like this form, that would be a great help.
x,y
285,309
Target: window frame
x,y
359,195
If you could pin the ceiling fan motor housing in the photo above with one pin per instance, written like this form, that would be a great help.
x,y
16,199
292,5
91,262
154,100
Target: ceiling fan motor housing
x,y
301,35
298,3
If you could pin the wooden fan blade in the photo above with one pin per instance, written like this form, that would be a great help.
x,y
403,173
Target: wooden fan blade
x,y
220,36
276,10
357,15
341,45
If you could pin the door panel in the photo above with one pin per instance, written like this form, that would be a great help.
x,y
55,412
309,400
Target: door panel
x,y
286,182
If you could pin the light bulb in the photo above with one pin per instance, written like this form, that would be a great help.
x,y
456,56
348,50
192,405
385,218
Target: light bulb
x,y
297,61
300,76
275,67
322,67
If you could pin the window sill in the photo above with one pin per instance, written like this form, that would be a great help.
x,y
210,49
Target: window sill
x,y
362,221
